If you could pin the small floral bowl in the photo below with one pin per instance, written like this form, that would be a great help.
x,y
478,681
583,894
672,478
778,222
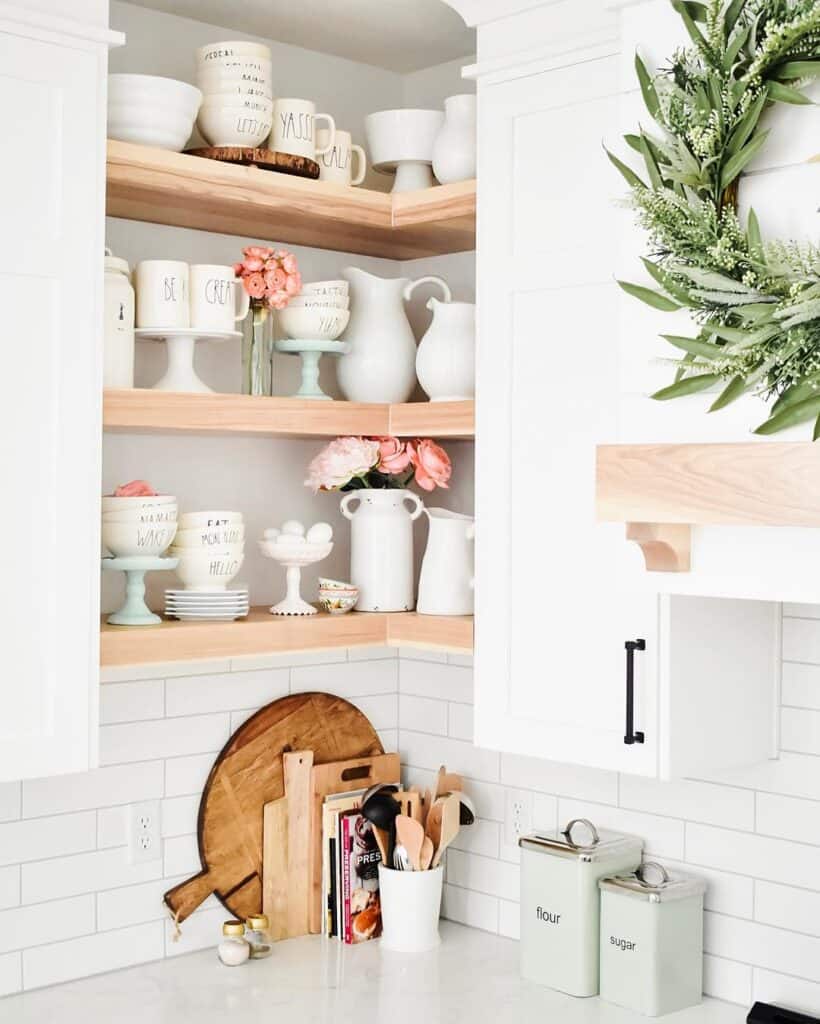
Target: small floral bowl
x,y
336,601
325,584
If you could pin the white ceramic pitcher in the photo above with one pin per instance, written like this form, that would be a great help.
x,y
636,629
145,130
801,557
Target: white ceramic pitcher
x,y
445,361
381,364
446,583
381,547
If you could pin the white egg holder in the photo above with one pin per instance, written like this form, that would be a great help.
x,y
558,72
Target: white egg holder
x,y
293,556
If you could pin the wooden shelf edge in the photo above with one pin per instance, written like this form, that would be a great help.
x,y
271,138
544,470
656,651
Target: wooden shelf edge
x,y
263,633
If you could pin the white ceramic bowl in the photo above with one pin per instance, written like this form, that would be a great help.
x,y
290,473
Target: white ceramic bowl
x,y
325,288
165,93
316,301
325,323
234,126
223,551
151,111
336,603
158,514
208,538
237,96
255,105
207,570
112,504
208,518
150,129
216,80
238,66
125,540
396,135
231,48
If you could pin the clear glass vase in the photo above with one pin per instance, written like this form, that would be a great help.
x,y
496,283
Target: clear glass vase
x,y
257,352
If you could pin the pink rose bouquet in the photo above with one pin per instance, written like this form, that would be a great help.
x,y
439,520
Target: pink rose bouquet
x,y
270,276
352,463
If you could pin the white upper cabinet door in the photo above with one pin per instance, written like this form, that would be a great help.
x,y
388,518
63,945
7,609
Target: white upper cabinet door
x,y
52,188
555,604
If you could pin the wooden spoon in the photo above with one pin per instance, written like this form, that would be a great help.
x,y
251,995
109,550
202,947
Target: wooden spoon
x,y
450,814
427,852
383,843
439,787
434,818
411,836
451,783
427,803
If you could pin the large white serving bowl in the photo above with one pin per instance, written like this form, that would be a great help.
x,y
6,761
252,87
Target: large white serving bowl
x,y
165,92
234,126
397,135
126,540
151,111
156,515
146,126
207,571
208,518
325,323
315,301
110,503
208,538
231,48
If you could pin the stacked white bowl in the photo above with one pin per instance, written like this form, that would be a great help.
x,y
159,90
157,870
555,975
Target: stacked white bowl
x,y
134,527
151,111
210,547
235,78
320,312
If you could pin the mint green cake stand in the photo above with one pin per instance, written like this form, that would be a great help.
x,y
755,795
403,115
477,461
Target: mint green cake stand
x,y
135,612
311,352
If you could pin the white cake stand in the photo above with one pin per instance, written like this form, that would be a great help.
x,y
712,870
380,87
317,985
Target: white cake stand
x,y
180,342
294,557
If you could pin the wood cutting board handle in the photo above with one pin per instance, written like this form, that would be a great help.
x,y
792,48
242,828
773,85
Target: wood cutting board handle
x,y
184,898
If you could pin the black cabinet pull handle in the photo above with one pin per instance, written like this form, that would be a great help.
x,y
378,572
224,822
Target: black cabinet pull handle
x,y
632,736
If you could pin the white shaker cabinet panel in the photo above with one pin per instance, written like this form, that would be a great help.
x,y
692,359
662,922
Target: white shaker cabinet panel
x,y
51,211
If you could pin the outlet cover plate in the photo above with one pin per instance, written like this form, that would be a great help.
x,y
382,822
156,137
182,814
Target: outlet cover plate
x,y
144,832
518,815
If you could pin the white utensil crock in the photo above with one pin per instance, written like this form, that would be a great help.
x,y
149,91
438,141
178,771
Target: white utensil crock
x,y
381,547
381,364
454,151
445,360
411,904
446,582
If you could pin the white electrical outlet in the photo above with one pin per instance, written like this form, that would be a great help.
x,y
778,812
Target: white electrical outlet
x,y
518,815
144,842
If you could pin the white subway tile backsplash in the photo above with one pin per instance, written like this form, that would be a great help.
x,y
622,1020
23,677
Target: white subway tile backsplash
x,y
381,709
229,691
775,860
421,714
801,640
762,946
112,827
460,722
482,838
561,779
9,801
787,907
136,904
9,886
11,973
169,737
725,893
787,818
509,919
789,774
372,654
164,670
727,979
696,801
185,775
423,751
471,908
249,662
801,611
85,872
483,874
421,654
663,837
437,681
199,931
786,990
349,679
800,685
47,837
102,787
132,702
59,919
179,815
93,954
800,730
180,856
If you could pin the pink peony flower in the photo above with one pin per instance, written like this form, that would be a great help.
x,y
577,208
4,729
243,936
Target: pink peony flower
x,y
340,461
253,265
255,286
394,458
261,252
289,264
431,462
135,489
275,280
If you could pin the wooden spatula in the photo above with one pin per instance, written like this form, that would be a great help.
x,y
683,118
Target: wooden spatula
x,y
450,813
427,852
411,836
433,827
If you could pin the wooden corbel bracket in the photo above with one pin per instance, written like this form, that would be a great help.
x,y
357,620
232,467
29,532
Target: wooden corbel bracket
x,y
666,547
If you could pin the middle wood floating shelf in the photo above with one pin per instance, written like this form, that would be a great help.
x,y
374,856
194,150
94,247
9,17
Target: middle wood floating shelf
x,y
143,410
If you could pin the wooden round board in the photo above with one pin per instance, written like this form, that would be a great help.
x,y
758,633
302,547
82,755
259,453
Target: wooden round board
x,y
246,775
267,159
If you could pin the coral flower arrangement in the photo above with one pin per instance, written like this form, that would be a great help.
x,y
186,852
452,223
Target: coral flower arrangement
x,y
270,276
354,463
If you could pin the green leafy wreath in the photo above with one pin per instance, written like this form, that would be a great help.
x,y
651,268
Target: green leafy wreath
x,y
756,302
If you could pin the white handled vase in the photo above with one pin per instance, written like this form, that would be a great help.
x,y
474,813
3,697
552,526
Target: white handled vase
x,y
446,582
381,547
381,364
445,361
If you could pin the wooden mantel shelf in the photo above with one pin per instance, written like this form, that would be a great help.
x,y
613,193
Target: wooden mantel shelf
x,y
661,490
144,183
142,410
263,633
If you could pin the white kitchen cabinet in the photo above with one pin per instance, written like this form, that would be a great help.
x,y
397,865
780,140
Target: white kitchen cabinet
x,y
559,595
52,113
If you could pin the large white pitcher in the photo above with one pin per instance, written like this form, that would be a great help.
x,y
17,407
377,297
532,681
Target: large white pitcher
x,y
446,583
381,364
445,362
381,547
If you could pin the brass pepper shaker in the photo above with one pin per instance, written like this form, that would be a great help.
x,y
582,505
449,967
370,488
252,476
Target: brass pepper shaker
x,y
257,935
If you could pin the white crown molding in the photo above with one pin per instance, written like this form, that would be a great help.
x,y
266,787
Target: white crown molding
x,y
14,16
478,12
571,49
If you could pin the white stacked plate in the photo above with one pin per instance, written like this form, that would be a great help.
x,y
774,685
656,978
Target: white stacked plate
x,y
214,605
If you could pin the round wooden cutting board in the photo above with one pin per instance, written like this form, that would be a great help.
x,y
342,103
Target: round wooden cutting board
x,y
246,775
267,159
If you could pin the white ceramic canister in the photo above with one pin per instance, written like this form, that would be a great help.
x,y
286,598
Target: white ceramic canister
x,y
411,904
560,902
454,151
445,360
118,329
381,547
446,581
652,940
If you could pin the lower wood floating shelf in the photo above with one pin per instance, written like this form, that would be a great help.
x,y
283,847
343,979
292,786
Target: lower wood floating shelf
x,y
263,633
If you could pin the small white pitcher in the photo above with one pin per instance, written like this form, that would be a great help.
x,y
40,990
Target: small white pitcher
x,y
446,583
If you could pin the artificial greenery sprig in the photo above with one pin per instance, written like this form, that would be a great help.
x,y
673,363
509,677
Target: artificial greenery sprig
x,y
756,302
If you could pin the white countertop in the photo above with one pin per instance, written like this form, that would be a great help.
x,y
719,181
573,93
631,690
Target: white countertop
x,y
471,979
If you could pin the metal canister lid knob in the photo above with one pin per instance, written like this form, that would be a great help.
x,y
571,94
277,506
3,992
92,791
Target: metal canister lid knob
x,y
567,833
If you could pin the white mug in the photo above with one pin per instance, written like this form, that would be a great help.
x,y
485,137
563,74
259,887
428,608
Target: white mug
x,y
293,128
218,299
336,158
162,293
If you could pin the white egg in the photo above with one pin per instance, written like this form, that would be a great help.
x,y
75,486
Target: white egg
x,y
320,533
272,533
293,528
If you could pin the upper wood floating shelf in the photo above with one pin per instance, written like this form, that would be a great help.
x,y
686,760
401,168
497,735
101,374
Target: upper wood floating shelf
x,y
142,410
156,185
263,633
661,490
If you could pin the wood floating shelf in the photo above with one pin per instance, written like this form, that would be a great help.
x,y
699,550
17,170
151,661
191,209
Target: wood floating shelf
x,y
142,410
661,490
144,183
263,633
